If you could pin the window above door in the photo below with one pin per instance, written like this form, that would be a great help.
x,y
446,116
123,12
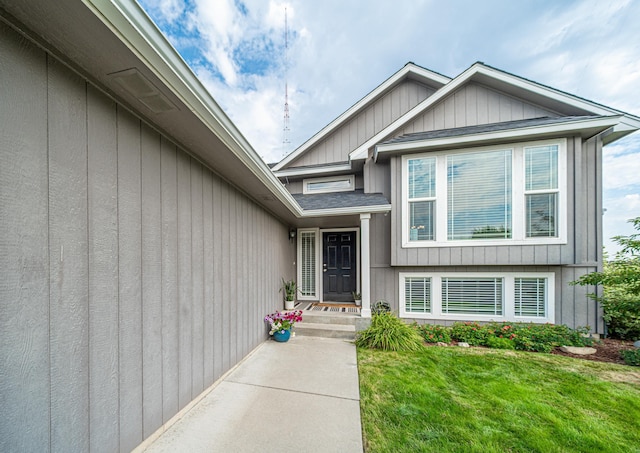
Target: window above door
x,y
344,183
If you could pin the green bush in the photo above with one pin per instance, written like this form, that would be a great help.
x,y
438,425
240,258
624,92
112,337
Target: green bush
x,y
435,333
500,343
621,313
631,357
520,336
470,332
389,333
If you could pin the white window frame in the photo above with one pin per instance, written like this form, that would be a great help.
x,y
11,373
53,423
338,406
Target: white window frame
x,y
518,205
318,260
508,308
350,178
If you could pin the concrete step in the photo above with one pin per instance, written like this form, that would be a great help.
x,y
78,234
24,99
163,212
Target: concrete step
x,y
314,329
330,318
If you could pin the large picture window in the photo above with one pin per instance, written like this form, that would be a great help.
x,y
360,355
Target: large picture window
x,y
526,297
484,196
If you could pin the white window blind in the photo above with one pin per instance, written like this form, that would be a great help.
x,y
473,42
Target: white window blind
x,y
481,296
417,294
422,193
541,190
307,285
479,195
530,297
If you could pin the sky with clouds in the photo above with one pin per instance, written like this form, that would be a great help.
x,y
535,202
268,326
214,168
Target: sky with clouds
x,y
338,51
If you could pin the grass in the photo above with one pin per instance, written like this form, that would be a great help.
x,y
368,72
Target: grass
x,y
480,400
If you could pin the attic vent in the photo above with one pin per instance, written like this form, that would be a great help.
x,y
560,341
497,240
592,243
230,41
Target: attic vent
x,y
136,84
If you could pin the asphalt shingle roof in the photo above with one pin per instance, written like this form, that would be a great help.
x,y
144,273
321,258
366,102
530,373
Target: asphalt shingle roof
x,y
483,128
357,198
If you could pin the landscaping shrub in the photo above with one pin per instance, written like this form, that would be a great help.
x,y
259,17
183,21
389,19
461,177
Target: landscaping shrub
x,y
389,333
500,343
470,332
621,313
435,333
520,336
631,357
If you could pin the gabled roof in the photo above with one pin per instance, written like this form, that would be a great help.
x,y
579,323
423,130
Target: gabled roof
x,y
535,128
410,70
517,86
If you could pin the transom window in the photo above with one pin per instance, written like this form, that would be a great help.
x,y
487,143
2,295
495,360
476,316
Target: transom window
x,y
524,297
329,184
510,194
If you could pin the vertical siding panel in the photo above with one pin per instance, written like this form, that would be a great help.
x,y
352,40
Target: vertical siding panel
x,y
471,109
225,265
207,203
490,255
362,127
129,250
169,195
438,116
482,106
450,112
218,321
232,300
185,288
197,275
378,120
24,250
460,112
103,272
151,283
69,347
493,106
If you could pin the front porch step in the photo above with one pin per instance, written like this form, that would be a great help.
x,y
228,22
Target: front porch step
x,y
344,319
315,329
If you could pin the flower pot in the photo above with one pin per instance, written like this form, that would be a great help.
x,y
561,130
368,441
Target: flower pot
x,y
358,302
282,336
289,304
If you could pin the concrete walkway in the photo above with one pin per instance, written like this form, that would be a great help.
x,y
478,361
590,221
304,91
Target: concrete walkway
x,y
299,396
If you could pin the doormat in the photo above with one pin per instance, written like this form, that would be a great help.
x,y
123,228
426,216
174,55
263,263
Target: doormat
x,y
327,307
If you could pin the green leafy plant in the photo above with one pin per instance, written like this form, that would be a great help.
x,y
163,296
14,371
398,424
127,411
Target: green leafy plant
x,y
435,333
500,343
631,357
620,280
389,333
289,288
356,295
470,332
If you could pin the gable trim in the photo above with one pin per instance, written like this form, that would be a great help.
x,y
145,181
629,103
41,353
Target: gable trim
x,y
408,69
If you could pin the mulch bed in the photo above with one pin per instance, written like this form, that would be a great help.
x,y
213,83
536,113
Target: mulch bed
x,y
608,350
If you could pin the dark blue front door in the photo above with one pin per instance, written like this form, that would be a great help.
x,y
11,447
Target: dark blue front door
x,y
339,276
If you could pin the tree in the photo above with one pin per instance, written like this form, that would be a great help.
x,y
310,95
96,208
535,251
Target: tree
x,y
620,279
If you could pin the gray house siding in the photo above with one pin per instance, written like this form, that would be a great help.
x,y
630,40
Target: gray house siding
x,y
132,276
474,104
391,106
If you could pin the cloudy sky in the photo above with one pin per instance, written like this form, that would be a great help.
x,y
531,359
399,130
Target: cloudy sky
x,y
338,51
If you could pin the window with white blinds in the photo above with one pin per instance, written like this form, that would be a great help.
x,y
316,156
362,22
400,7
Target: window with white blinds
x,y
541,190
512,194
417,295
530,297
307,283
482,296
479,195
422,195
476,296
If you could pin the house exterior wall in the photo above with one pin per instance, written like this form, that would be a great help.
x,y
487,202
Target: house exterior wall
x,y
133,277
471,105
337,146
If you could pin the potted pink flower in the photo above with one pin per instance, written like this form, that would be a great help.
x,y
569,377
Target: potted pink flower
x,y
281,323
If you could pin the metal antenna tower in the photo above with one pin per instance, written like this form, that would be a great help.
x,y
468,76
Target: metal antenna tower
x,y
285,127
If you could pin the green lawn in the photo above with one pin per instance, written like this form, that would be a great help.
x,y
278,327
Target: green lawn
x,y
480,400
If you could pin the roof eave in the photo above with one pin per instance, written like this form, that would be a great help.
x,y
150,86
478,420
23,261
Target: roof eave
x,y
374,209
587,128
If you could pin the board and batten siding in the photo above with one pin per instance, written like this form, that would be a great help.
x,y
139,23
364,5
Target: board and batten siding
x,y
391,106
133,277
